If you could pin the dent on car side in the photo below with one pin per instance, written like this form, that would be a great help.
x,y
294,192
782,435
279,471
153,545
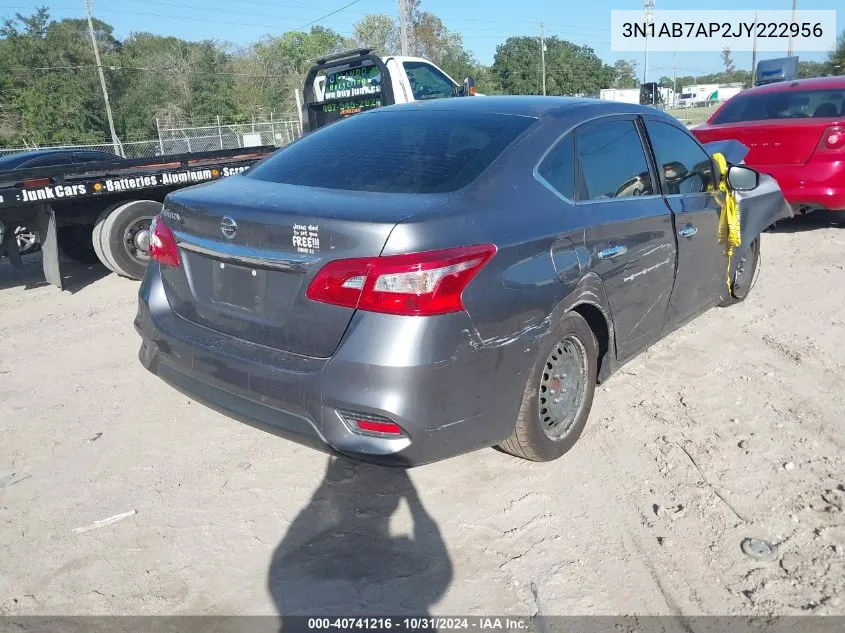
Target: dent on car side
x,y
538,288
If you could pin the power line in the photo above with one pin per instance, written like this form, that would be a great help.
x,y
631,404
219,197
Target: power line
x,y
328,15
205,8
310,8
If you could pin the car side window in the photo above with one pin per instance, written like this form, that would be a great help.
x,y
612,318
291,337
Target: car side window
x,y
558,167
427,82
687,168
612,162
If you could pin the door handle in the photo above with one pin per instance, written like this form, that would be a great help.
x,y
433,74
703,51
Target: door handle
x,y
613,251
688,231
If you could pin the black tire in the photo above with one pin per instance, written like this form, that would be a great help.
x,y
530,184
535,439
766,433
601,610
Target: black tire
x,y
744,269
117,251
530,440
75,242
97,236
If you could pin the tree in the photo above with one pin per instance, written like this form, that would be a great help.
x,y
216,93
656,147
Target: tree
x,y
665,82
807,70
378,32
836,60
270,70
49,84
625,74
570,69
728,60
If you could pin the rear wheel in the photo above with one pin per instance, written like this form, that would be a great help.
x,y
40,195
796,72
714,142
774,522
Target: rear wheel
x,y
123,234
559,394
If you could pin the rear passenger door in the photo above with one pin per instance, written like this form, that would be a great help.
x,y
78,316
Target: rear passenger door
x,y
688,176
630,235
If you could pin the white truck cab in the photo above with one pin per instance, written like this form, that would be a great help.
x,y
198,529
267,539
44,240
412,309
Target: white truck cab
x,y
354,81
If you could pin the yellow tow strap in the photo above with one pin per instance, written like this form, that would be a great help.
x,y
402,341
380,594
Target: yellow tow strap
x,y
729,229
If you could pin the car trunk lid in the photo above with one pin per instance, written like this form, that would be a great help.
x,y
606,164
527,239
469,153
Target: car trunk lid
x,y
771,142
249,248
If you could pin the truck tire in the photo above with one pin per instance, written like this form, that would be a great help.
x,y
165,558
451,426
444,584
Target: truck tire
x,y
558,395
97,235
124,236
76,243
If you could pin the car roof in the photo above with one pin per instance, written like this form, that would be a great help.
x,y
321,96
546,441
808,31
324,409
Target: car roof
x,y
527,106
13,161
816,83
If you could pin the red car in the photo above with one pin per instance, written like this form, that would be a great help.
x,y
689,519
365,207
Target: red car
x,y
795,131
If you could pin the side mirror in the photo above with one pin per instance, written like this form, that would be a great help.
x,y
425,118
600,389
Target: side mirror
x,y
468,89
742,178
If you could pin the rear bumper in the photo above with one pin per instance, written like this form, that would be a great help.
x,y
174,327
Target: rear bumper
x,y
449,394
815,185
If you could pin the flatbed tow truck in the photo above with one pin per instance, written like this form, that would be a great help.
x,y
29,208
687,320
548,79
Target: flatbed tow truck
x,y
102,211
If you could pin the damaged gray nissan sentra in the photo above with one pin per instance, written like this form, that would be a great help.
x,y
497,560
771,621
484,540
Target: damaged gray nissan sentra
x,y
422,280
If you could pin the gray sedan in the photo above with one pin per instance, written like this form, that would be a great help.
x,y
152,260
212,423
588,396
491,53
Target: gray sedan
x,y
427,279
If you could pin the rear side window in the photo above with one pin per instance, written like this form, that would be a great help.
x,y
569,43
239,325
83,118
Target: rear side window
x,y
612,161
558,167
798,104
395,152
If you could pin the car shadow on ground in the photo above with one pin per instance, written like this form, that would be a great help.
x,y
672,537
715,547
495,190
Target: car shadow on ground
x,y
810,222
76,276
340,558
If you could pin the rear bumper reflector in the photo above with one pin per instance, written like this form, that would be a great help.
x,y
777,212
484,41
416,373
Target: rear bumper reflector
x,y
369,424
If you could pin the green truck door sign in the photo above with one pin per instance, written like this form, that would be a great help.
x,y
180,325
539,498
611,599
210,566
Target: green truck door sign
x,y
364,81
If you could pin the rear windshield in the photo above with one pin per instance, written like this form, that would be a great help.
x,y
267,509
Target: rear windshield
x,y
408,151
800,104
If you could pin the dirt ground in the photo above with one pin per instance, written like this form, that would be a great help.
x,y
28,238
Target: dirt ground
x,y
730,428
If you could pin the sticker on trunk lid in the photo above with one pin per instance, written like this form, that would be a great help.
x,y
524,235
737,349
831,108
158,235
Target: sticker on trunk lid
x,y
306,238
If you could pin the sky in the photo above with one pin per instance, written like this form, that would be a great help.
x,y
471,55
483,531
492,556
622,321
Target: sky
x,y
483,23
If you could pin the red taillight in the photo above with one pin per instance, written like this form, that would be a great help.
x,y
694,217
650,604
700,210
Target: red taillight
x,y
418,284
833,139
163,247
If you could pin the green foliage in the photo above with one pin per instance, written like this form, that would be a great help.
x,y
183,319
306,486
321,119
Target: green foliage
x,y
379,32
728,60
50,91
836,60
807,70
50,88
625,74
570,69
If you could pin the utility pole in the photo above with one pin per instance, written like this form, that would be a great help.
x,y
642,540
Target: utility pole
x,y
102,79
674,83
789,51
406,28
543,56
648,6
754,54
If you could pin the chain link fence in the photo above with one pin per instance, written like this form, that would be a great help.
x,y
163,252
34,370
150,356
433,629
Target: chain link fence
x,y
185,138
